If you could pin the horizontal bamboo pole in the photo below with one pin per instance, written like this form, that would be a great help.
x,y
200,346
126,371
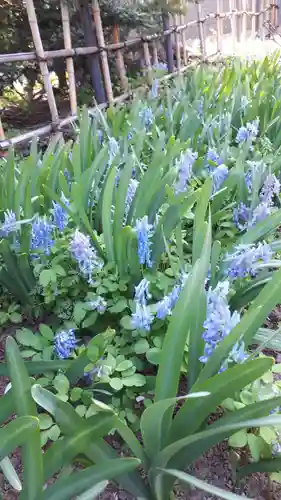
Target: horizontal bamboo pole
x,y
52,54
47,129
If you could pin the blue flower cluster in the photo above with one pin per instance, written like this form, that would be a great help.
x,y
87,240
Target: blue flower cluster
x,y
147,117
248,133
60,216
142,318
98,304
85,255
166,305
9,225
41,235
270,189
243,216
219,175
243,262
184,166
219,320
144,233
65,343
212,156
113,148
133,185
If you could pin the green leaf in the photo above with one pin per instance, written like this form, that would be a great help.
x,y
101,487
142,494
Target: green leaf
x,y
153,355
202,485
124,365
199,219
79,312
46,277
239,439
268,435
61,384
256,446
16,433
107,203
179,327
193,413
10,473
28,338
15,318
183,452
141,346
39,367
47,332
120,306
126,322
93,492
116,383
137,380
25,406
267,466
45,421
96,450
77,483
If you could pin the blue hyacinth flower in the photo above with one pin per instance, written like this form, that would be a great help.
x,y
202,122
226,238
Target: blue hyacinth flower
x,y
65,343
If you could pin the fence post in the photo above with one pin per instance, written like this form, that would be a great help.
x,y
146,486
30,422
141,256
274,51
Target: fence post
x,y
103,53
147,61
69,60
219,27
253,20
201,30
178,49
168,41
233,24
244,20
154,53
183,40
32,19
120,60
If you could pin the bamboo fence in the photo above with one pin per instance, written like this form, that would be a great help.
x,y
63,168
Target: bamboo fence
x,y
238,15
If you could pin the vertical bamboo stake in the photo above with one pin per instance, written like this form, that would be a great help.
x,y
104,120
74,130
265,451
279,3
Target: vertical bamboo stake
x,y
244,20
219,27
238,21
201,30
154,53
273,13
2,138
147,62
233,23
261,17
253,23
182,21
69,60
31,14
103,54
2,134
178,49
120,60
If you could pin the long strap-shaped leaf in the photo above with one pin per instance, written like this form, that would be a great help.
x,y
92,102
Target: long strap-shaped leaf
x,y
25,406
16,433
268,466
7,406
179,327
10,473
193,413
38,367
97,451
202,485
66,488
185,451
